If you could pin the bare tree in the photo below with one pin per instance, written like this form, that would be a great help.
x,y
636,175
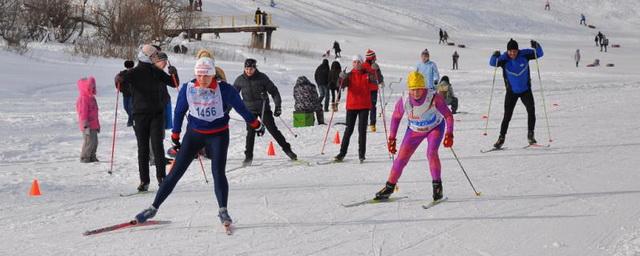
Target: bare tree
x,y
57,19
11,29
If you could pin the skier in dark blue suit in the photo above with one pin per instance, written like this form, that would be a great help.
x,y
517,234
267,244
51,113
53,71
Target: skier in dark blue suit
x,y
515,71
208,102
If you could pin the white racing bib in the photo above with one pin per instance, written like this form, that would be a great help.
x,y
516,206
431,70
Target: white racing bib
x,y
204,103
425,117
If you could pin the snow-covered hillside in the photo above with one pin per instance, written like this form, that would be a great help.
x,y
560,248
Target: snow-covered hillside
x,y
577,197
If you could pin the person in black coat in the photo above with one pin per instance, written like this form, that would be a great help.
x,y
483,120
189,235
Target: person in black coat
x,y
336,48
253,86
322,80
334,76
148,86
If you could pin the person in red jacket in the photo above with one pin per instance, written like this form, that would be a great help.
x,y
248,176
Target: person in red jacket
x,y
358,105
372,67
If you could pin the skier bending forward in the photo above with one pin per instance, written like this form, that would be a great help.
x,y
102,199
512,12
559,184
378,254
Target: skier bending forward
x,y
425,111
208,102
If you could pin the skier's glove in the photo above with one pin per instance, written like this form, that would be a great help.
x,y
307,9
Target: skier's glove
x,y
448,140
258,127
174,73
496,54
343,75
278,111
175,138
534,44
391,145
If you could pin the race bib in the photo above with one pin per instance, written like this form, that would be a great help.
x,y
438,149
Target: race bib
x,y
204,103
425,117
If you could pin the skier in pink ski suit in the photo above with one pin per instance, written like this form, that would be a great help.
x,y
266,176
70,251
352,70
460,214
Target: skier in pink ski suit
x,y
426,110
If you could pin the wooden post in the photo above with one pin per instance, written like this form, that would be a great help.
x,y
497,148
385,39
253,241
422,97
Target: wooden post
x,y
268,47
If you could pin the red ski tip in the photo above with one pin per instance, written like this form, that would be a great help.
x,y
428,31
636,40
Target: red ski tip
x,y
484,117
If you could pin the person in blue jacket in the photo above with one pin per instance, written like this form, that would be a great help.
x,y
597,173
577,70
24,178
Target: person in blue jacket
x,y
429,70
515,71
208,102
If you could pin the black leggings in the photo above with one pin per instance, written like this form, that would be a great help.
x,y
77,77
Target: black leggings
x,y
216,146
352,115
150,127
510,100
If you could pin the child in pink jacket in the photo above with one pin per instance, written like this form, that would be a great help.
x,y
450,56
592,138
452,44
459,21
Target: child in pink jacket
x,y
87,108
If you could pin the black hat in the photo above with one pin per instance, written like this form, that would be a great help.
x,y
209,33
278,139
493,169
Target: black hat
x,y
250,63
512,45
128,63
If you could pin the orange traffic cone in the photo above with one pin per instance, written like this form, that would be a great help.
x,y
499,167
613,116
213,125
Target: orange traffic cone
x,y
270,150
35,189
336,139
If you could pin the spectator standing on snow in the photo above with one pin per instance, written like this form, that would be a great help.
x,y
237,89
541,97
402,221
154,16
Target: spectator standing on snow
x,y
87,109
334,76
583,19
455,57
441,36
605,43
336,48
207,103
428,69
597,40
148,88
576,57
306,98
371,67
357,82
445,37
125,89
427,115
547,6
446,90
322,80
254,86
515,69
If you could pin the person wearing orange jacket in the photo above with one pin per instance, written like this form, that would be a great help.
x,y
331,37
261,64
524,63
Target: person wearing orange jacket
x,y
372,67
358,82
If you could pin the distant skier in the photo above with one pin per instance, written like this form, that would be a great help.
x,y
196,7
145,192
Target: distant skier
x,y
425,111
515,69
88,121
547,6
334,76
583,19
322,80
254,86
600,37
208,104
371,67
272,4
576,57
441,36
445,37
446,90
428,69
336,49
455,57
597,40
358,105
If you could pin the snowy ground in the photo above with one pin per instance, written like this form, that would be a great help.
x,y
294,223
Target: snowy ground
x,y
577,197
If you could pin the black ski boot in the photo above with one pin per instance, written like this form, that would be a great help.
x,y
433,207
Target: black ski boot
x,y
437,190
531,138
247,161
291,155
225,219
143,187
385,192
499,143
339,158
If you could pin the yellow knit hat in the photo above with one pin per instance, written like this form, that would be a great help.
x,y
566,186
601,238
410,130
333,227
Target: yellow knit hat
x,y
415,81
